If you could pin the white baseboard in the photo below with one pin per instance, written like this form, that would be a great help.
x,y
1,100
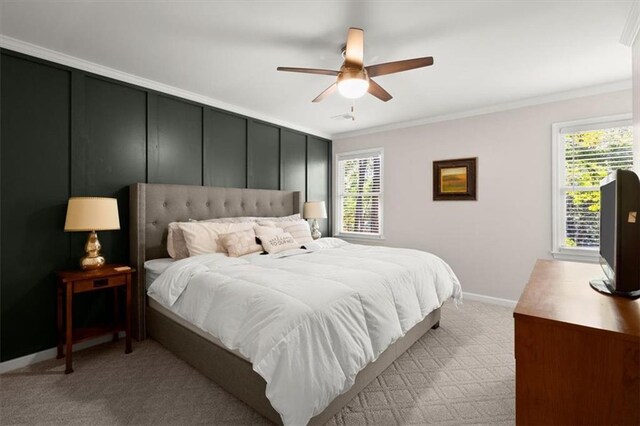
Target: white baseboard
x,y
488,299
47,354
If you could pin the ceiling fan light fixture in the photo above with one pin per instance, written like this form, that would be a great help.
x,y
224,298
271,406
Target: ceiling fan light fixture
x,y
353,83
353,88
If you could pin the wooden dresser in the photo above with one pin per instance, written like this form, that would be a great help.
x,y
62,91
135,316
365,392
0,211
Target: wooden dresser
x,y
577,351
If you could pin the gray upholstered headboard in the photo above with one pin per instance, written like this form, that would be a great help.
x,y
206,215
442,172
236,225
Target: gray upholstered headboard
x,y
153,206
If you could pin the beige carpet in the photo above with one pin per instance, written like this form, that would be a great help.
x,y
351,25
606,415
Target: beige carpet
x,y
461,373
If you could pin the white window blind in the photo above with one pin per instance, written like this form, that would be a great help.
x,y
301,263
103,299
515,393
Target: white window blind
x,y
587,153
359,193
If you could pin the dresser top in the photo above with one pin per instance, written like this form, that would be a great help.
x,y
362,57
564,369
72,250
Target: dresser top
x,y
559,291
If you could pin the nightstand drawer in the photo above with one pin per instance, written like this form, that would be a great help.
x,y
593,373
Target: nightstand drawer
x,y
99,283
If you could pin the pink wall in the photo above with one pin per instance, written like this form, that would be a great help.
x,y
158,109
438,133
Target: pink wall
x,y
491,243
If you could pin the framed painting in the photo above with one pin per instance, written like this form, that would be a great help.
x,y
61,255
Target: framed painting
x,y
454,179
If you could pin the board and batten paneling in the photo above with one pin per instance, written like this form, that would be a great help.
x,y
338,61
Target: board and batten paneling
x,y
293,161
35,188
112,155
318,176
66,132
263,162
225,149
175,141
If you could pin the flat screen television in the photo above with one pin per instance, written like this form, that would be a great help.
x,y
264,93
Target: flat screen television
x,y
620,235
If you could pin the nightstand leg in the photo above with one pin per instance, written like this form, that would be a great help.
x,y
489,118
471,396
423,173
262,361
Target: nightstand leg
x,y
69,333
60,321
128,308
116,313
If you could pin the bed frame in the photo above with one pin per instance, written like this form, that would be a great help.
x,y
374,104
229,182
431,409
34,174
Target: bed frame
x,y
152,208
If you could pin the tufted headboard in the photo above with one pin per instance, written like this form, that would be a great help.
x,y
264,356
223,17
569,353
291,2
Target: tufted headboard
x,y
154,206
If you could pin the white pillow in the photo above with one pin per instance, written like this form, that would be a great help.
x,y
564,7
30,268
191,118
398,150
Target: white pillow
x,y
243,219
176,245
289,218
240,219
202,237
298,229
279,242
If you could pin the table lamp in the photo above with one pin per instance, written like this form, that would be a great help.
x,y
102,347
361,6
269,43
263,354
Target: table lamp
x,y
314,210
92,214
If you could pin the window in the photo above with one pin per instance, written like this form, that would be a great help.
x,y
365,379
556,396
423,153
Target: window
x,y
359,194
585,152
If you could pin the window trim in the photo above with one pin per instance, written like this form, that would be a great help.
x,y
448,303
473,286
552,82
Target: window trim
x,y
557,181
337,206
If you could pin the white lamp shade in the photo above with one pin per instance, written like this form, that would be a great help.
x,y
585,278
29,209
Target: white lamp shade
x,y
92,214
314,210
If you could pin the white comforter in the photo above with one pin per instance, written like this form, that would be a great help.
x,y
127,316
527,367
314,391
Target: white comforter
x,y
308,322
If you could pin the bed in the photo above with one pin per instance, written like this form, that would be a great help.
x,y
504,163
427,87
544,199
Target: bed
x,y
153,207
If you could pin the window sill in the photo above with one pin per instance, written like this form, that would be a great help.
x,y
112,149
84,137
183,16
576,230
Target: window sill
x,y
586,256
363,238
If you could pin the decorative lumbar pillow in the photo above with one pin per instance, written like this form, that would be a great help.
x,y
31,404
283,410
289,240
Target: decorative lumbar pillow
x,y
203,237
279,242
240,243
266,231
176,245
299,229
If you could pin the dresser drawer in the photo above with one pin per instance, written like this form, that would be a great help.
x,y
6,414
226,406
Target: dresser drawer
x,y
99,283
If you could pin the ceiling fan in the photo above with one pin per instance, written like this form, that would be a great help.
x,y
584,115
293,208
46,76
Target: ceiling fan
x,y
354,79
351,115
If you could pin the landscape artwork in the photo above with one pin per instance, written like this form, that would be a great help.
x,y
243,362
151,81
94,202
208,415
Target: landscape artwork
x,y
454,179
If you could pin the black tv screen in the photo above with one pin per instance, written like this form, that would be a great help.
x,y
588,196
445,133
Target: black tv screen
x,y
608,228
620,234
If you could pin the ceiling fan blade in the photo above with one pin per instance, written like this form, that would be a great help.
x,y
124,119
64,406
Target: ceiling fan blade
x,y
398,66
354,51
329,90
309,71
347,116
376,90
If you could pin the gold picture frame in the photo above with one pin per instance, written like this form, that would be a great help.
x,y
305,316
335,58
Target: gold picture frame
x,y
455,179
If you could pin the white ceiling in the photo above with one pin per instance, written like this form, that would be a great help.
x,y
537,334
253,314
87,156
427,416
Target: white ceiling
x,y
486,52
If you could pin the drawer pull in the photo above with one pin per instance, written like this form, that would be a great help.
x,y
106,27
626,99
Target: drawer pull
x,y
101,282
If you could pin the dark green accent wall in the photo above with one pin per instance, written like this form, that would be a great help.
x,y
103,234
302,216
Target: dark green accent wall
x,y
293,161
319,177
66,132
263,156
35,188
175,144
225,149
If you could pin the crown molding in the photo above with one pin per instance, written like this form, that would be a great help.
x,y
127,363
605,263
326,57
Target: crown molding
x,y
632,26
539,100
71,61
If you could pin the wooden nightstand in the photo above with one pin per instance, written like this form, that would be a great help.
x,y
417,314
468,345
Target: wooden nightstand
x,y
74,282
